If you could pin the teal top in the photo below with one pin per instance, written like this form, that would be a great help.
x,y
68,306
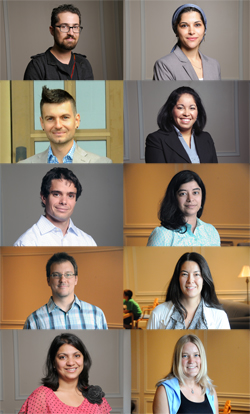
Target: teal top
x,y
132,306
204,235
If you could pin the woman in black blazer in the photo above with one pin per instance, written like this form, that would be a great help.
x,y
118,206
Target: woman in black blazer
x,y
180,138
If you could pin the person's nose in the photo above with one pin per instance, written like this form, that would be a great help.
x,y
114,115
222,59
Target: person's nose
x,y
63,200
191,29
71,31
62,278
189,197
190,279
58,124
70,361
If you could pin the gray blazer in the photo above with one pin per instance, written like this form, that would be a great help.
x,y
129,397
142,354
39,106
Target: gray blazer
x,y
176,66
80,156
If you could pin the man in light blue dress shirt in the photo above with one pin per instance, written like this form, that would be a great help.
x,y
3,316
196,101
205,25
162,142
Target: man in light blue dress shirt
x,y
60,120
64,310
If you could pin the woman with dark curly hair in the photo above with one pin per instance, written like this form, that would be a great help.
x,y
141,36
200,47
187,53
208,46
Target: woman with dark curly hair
x,y
180,213
187,388
181,137
191,301
66,388
186,62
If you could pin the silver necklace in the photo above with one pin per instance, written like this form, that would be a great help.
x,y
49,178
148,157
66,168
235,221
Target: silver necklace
x,y
196,66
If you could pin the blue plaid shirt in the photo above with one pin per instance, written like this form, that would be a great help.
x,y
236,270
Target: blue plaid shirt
x,y
81,315
68,159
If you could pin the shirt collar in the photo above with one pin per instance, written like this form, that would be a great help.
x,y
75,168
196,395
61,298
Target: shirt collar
x,y
67,159
51,304
180,134
45,226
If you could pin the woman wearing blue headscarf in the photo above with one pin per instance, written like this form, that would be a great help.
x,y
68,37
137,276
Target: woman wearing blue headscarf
x,y
186,62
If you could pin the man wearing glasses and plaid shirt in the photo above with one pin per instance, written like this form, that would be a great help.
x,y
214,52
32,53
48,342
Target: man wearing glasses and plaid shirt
x,y
64,310
58,62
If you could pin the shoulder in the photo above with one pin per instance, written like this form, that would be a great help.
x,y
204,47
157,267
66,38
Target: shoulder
x,y
209,60
160,316
210,232
160,236
165,67
158,135
29,238
216,318
81,155
86,239
37,158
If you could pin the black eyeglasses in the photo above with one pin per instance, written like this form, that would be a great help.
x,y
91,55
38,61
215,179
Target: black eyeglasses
x,y
65,28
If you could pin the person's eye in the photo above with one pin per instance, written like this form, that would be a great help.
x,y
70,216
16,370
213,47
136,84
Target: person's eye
x,y
55,194
66,117
198,24
61,357
197,355
193,108
184,356
182,194
64,26
196,192
183,25
78,356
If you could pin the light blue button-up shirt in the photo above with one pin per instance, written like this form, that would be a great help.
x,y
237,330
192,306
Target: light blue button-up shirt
x,y
68,159
204,235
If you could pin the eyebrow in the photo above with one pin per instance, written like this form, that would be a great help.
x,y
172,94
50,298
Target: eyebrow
x,y
53,116
197,21
63,353
60,192
182,189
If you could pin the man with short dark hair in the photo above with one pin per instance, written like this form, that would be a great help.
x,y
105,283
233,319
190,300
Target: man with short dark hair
x,y
59,119
64,310
60,190
58,62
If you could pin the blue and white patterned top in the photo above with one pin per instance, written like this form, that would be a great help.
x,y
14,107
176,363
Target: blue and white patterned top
x,y
44,233
204,235
81,315
68,159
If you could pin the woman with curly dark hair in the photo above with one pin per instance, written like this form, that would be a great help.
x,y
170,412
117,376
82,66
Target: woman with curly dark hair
x,y
66,388
191,300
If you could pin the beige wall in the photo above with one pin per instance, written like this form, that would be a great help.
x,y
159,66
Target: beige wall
x,y
147,271
227,201
23,357
27,30
226,105
149,36
227,356
5,122
24,285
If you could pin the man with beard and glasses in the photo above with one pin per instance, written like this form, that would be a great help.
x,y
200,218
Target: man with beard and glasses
x,y
64,310
59,62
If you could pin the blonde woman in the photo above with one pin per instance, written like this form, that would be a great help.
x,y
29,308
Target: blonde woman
x,y
187,389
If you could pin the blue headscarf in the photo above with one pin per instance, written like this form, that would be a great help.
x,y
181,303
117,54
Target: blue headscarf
x,y
178,12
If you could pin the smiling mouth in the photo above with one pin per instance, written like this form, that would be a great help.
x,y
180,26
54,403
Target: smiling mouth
x,y
71,369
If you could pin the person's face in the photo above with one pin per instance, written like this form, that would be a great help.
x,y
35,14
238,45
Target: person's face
x,y
61,201
191,360
69,362
189,198
66,41
190,30
59,122
185,113
190,279
62,287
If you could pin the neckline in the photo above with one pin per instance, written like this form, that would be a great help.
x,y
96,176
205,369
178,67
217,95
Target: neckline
x,y
71,406
194,402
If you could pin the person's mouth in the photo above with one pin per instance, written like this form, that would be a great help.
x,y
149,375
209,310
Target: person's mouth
x,y
71,369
